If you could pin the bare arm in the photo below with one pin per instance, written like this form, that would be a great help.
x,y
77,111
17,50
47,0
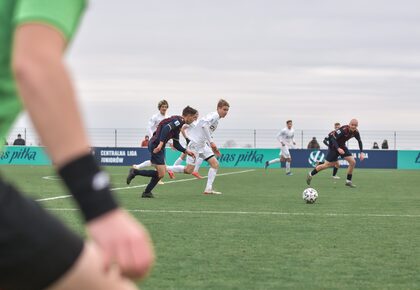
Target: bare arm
x,y
49,98
47,92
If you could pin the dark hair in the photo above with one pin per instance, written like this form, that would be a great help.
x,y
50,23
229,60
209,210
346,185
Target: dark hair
x,y
337,124
162,103
289,121
189,111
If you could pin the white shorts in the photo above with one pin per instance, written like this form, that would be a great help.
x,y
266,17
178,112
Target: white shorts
x,y
200,151
285,153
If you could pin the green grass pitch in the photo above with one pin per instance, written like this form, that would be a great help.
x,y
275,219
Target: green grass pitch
x,y
260,234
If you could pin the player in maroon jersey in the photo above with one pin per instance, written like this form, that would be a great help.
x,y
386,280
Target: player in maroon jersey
x,y
337,147
326,142
167,129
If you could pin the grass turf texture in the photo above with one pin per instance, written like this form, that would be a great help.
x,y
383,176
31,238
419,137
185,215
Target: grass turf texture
x,y
261,235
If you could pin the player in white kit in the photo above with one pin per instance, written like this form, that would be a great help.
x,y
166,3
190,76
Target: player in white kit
x,y
184,131
203,146
286,137
151,128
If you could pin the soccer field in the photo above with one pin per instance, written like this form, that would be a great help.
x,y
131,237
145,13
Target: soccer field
x,y
260,234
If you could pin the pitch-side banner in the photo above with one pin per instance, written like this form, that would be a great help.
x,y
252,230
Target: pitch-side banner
x,y
240,158
254,158
409,159
373,158
24,155
303,158
124,156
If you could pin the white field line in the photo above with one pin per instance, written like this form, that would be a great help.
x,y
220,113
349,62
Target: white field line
x,y
266,213
144,185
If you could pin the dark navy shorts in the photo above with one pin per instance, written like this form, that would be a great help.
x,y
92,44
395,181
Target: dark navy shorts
x,y
36,249
156,158
332,155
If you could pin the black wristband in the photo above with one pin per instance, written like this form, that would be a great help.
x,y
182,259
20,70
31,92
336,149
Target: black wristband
x,y
89,186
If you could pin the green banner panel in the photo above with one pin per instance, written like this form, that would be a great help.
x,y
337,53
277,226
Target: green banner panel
x,y
408,159
254,158
24,155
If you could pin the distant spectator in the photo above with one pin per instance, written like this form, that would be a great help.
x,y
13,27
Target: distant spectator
x,y
19,141
313,144
375,145
385,144
145,142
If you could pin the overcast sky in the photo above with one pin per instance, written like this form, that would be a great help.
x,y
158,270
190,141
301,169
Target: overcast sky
x,y
316,62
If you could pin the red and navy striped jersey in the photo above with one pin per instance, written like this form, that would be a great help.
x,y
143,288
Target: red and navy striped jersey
x,y
168,128
343,134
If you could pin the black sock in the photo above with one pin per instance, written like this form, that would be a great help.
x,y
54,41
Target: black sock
x,y
148,173
349,176
314,172
152,184
335,171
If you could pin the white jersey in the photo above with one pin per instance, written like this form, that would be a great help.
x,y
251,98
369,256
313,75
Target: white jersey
x,y
189,127
203,131
287,136
154,122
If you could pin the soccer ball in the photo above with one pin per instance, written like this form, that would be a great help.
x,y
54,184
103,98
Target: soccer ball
x,y
310,195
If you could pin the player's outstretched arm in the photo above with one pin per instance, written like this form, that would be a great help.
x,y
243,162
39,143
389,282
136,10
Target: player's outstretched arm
x,y
49,98
216,150
359,140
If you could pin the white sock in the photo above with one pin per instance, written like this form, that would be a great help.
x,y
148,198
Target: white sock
x,y
210,179
198,163
176,168
178,161
143,164
277,160
287,166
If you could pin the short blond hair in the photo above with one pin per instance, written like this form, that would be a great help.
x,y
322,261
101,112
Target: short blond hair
x,y
222,103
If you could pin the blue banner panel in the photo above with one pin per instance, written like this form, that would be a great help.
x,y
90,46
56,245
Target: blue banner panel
x,y
373,158
124,156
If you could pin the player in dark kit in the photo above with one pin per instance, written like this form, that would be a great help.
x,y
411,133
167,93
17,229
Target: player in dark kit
x,y
326,141
167,129
337,147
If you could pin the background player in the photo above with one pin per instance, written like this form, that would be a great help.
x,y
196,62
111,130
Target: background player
x,y
327,143
167,129
152,125
37,250
203,146
337,147
286,137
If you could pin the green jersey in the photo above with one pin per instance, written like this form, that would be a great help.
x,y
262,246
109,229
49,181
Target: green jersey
x,y
63,15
